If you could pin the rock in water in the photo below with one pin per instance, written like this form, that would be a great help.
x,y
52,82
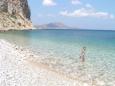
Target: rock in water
x,y
14,14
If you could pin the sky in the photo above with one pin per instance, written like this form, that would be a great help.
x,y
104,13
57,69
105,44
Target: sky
x,y
84,14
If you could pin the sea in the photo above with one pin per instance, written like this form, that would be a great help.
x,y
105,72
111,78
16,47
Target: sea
x,y
61,49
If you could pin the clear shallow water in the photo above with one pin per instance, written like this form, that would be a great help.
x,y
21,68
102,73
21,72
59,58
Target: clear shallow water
x,y
61,48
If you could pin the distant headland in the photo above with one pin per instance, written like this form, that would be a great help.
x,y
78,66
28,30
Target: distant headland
x,y
53,25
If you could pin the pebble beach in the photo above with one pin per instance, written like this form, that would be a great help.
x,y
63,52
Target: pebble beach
x,y
18,67
21,67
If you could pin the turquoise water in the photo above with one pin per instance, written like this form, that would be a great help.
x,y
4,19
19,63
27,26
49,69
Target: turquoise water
x,y
63,47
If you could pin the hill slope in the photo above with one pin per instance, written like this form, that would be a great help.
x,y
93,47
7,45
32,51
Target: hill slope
x,y
14,14
56,25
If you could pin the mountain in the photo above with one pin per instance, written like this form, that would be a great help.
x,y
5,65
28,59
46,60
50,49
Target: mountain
x,y
56,25
14,14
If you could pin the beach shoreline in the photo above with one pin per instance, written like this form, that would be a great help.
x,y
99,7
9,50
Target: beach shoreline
x,y
19,59
22,67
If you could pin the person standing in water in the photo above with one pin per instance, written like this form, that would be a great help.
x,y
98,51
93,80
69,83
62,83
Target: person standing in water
x,y
82,55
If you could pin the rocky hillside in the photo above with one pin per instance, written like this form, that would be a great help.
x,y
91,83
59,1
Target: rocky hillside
x,y
14,14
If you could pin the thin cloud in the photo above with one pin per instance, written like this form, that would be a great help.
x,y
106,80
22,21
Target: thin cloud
x,y
53,3
76,2
87,12
49,3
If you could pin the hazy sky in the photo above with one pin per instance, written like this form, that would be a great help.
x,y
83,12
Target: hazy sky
x,y
89,14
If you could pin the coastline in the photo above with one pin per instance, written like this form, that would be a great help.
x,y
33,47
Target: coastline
x,y
5,30
18,66
21,67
